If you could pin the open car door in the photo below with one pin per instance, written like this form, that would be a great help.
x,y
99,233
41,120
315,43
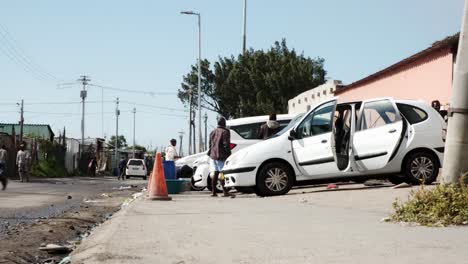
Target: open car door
x,y
378,131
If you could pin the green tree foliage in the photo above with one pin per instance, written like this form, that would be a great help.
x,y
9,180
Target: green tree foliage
x,y
122,142
257,83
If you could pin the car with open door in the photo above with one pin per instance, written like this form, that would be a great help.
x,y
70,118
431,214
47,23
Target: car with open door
x,y
401,140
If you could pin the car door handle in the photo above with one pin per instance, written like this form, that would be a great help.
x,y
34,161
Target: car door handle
x,y
392,131
324,141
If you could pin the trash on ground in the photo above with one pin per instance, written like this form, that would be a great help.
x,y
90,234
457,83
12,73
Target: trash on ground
x,y
332,186
402,185
303,200
56,249
373,183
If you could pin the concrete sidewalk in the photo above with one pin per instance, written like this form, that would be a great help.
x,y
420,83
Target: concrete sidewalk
x,y
313,227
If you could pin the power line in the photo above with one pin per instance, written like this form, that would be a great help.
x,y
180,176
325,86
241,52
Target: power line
x,y
132,91
155,107
12,49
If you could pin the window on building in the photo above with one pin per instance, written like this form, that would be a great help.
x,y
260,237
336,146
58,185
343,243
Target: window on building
x,y
324,92
294,105
308,107
305,99
299,101
313,96
318,94
331,90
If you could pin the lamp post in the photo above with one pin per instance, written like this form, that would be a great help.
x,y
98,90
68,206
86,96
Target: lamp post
x,y
200,143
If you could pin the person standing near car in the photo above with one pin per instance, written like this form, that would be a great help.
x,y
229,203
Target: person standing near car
x,y
122,167
270,128
3,161
219,151
171,151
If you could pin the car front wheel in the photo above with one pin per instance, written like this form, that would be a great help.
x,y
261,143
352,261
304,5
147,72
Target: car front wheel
x,y
421,167
274,179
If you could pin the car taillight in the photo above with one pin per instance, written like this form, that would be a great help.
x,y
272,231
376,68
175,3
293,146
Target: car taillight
x,y
444,134
232,146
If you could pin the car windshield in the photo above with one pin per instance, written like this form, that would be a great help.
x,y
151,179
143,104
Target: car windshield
x,y
291,124
135,162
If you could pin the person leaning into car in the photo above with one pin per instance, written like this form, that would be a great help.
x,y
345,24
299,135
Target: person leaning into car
x,y
219,151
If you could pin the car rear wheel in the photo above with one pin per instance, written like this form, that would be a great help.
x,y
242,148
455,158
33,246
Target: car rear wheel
x,y
195,188
274,179
421,167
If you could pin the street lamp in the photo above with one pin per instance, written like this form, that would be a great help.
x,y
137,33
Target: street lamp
x,y
200,145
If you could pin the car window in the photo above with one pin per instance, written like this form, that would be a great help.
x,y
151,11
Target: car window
x,y
250,131
412,113
290,124
317,122
377,114
135,162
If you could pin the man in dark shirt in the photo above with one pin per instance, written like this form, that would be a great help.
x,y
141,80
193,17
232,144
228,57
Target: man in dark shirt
x,y
270,128
220,140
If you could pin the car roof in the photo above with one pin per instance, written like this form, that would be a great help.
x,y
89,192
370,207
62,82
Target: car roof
x,y
256,119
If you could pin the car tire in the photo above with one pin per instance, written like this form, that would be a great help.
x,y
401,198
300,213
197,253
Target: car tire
x,y
421,167
274,179
219,189
195,188
396,179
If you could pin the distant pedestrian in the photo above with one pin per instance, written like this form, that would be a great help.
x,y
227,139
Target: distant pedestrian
x,y
171,151
92,165
270,128
22,162
436,105
3,162
122,168
220,140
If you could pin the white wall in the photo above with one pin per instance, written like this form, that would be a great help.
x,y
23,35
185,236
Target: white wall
x,y
304,101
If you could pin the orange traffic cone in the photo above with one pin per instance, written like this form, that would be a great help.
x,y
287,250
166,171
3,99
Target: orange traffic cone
x,y
158,189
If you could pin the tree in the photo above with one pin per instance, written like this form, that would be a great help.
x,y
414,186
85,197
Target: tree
x,y
257,83
122,142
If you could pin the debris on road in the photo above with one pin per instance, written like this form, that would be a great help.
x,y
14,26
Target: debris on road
x,y
69,197
303,200
371,183
56,249
332,186
402,185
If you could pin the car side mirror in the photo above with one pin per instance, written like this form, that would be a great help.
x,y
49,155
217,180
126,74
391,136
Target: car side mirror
x,y
292,134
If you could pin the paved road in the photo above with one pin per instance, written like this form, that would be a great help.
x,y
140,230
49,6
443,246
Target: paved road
x,y
316,226
48,197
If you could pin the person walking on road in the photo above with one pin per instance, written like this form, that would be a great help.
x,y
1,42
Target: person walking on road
x,y
92,167
171,151
122,167
219,151
22,163
3,161
270,128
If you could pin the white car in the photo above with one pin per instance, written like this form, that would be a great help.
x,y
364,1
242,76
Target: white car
x,y
402,140
243,134
136,168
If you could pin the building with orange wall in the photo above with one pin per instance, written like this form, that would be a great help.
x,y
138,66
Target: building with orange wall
x,y
426,75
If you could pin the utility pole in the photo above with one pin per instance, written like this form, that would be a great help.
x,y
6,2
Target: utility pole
x,y
134,118
206,131
456,146
193,134
21,122
117,113
200,143
190,122
181,138
244,36
84,81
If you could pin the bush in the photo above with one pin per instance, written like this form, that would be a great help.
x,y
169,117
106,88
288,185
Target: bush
x,y
441,206
48,168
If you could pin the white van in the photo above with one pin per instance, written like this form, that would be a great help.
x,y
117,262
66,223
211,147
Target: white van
x,y
399,139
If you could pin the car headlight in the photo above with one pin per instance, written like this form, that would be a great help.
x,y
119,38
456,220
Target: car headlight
x,y
236,158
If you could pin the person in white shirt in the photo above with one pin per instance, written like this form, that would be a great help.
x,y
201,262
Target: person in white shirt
x,y
22,159
171,151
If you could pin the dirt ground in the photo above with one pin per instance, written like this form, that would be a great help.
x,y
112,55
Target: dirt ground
x,y
20,242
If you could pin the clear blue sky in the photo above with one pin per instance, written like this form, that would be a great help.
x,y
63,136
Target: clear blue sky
x,y
148,45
